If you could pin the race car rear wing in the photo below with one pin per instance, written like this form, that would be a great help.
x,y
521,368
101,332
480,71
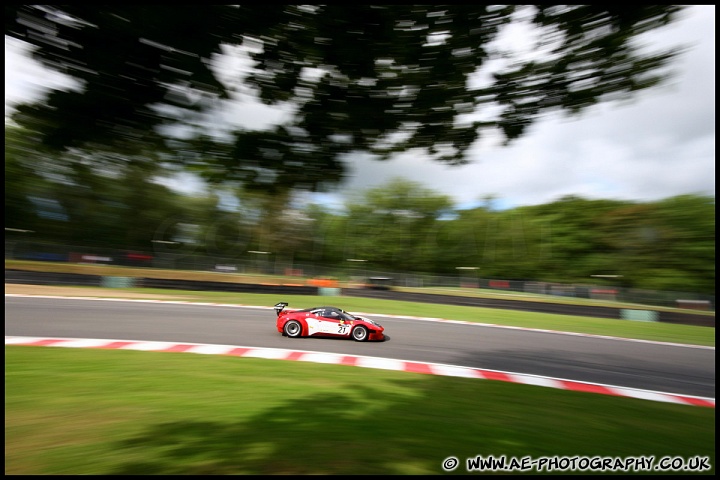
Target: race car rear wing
x,y
279,307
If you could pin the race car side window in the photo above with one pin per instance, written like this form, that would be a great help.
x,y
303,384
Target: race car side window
x,y
328,313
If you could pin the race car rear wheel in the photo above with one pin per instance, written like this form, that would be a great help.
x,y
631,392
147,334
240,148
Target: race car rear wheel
x,y
293,329
360,333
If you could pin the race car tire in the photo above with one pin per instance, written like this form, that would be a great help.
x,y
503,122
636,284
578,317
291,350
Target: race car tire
x,y
360,333
293,329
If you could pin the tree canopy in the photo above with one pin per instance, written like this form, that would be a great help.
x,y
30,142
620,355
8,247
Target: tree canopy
x,y
374,78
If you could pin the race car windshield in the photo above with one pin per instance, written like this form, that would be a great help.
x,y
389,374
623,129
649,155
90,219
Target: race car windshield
x,y
347,316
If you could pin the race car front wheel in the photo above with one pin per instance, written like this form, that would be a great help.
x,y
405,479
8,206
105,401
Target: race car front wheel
x,y
360,334
293,329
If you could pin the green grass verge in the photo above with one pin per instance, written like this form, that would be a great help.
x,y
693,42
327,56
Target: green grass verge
x,y
93,412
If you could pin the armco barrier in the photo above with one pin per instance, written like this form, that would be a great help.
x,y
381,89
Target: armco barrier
x,y
51,278
227,287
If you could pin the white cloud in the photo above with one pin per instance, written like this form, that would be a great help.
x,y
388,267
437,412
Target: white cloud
x,y
28,80
660,144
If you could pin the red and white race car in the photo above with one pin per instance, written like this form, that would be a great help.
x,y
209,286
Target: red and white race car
x,y
326,322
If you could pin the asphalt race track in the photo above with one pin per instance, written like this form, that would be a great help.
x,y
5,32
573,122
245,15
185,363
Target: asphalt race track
x,y
676,369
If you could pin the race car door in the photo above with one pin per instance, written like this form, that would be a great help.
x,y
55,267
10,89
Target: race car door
x,y
327,321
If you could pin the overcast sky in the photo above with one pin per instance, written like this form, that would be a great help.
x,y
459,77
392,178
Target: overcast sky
x,y
660,145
